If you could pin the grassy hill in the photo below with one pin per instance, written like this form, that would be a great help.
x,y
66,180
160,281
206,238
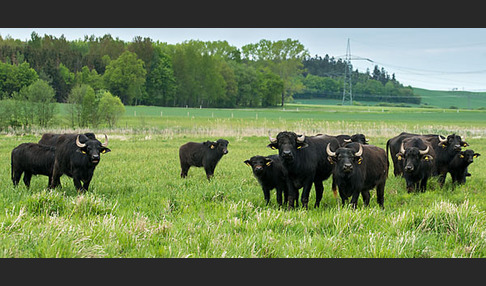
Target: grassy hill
x,y
446,99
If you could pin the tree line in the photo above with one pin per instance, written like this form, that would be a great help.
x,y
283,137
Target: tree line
x,y
192,73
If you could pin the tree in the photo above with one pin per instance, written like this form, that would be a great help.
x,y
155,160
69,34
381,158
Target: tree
x,y
110,108
39,101
161,83
75,101
283,57
125,77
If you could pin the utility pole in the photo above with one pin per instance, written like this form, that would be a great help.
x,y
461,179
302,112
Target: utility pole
x,y
348,71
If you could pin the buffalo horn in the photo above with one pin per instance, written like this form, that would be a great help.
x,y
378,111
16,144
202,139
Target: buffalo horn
x,y
104,144
441,141
402,150
272,140
424,151
301,138
360,151
79,144
348,140
329,152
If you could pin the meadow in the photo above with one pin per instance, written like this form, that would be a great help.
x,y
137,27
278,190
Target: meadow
x,y
138,206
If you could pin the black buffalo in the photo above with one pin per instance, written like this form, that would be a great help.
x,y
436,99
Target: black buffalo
x,y
417,161
77,156
271,174
305,159
358,169
51,138
458,166
206,154
445,150
31,159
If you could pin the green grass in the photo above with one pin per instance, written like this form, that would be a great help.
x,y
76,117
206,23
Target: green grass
x,y
138,206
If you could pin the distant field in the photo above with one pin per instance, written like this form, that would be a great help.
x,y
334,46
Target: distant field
x,y
430,98
138,206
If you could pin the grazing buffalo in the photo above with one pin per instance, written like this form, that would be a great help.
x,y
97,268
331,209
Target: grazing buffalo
x,y
206,154
417,158
306,162
358,169
271,174
458,165
31,159
77,156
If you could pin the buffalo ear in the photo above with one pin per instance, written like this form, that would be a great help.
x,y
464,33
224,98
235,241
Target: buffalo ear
x,y
302,145
427,158
331,159
476,155
105,150
359,159
464,143
247,162
268,161
273,146
399,156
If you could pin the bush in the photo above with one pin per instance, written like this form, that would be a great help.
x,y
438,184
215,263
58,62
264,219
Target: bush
x,y
110,108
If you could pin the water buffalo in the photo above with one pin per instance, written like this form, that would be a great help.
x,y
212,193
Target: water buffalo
x,y
417,158
271,174
206,154
31,159
459,164
77,156
358,169
306,162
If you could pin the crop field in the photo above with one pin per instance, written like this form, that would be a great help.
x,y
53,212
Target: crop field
x,y
139,206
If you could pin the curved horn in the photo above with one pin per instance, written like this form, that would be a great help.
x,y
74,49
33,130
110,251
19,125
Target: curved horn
x,y
301,138
402,150
424,151
104,144
329,152
272,140
441,141
360,151
79,144
348,140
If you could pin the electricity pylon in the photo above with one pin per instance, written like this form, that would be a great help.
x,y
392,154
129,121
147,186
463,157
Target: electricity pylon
x,y
348,71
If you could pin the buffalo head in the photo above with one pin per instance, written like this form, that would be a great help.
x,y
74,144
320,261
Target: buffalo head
x,y
452,141
258,163
93,148
287,144
221,146
345,158
412,157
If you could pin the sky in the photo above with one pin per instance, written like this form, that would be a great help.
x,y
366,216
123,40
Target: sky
x,y
430,58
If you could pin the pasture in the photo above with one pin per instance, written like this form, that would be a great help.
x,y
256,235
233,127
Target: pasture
x,y
138,206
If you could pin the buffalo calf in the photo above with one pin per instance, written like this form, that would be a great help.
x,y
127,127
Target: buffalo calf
x,y
458,165
206,154
271,174
31,159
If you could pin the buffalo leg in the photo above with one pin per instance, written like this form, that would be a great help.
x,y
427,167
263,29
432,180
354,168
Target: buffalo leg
x,y
380,194
209,172
319,190
16,177
441,179
266,195
279,196
423,185
27,178
305,194
366,197
184,170
354,200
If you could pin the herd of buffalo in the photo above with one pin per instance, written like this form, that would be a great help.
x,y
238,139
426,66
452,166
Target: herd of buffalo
x,y
356,167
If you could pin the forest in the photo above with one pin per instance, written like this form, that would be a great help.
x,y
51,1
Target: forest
x,y
192,73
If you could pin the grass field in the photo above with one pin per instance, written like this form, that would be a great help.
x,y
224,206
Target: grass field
x,y
138,206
